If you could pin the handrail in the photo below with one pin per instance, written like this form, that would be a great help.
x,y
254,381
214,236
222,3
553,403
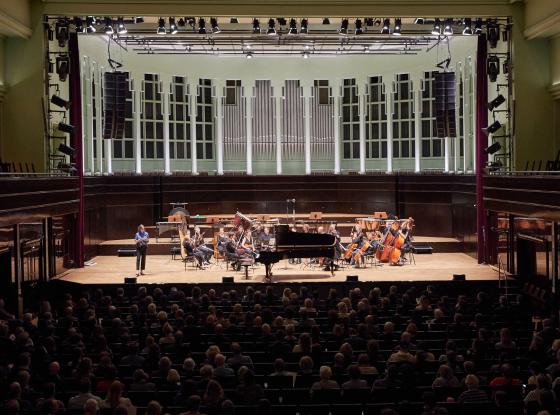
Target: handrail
x,y
525,173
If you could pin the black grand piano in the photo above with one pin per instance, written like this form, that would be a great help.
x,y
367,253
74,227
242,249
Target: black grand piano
x,y
289,244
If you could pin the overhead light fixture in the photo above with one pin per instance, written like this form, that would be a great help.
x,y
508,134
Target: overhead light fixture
x,y
59,102
369,21
256,26
90,24
448,27
161,27
326,20
214,25
271,31
343,27
108,29
234,20
78,22
282,21
377,22
181,22
494,148
386,28
358,30
62,67
61,32
201,26
138,19
492,128
121,28
66,128
366,48
419,20
397,29
293,27
467,27
496,102
493,67
173,29
67,150
478,26
493,33
436,30
304,27
305,55
249,55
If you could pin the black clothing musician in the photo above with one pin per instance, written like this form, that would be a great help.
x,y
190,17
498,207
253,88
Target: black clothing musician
x,y
231,254
338,248
141,240
191,250
199,245
357,240
264,238
221,241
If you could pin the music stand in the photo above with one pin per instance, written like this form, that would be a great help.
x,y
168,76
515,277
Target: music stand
x,y
316,215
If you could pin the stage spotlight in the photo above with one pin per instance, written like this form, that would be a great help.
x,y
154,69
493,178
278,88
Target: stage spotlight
x,y
214,25
66,128
436,30
181,22
249,55
369,21
233,20
282,21
79,25
67,167
493,67
90,22
326,20
305,55
343,27
366,48
377,22
121,28
138,19
161,27
492,128
304,27
271,31
496,102
467,27
293,27
108,29
448,27
493,33
61,32
59,102
62,67
256,26
494,148
173,29
478,26
386,29
67,150
201,26
419,20
397,29
358,30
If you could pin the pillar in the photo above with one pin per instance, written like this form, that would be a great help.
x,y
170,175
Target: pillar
x,y
165,96
99,119
337,92
219,87
307,125
389,97
193,93
361,90
248,92
277,90
417,94
136,123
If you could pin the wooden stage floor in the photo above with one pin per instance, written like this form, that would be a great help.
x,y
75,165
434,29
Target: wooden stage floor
x,y
162,269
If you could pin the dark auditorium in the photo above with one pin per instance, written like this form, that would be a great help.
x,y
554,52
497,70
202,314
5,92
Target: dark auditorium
x,y
296,207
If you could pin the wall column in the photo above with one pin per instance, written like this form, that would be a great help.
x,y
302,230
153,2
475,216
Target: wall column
x,y
136,123
447,153
307,126
89,163
457,139
219,87
336,91
248,89
165,88
277,90
193,93
362,88
99,119
417,94
466,117
389,97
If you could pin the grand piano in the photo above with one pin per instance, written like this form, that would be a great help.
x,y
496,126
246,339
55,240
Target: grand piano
x,y
289,244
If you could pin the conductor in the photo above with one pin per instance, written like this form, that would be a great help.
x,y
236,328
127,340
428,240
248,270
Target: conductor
x,y
141,239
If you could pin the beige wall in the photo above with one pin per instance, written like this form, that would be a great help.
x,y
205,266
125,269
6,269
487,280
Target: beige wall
x,y
555,60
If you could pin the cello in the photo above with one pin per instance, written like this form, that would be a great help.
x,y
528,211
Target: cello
x,y
390,251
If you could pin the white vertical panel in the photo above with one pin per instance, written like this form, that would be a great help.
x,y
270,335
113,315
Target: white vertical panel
x,y
165,92
193,90
390,87
220,127
417,91
99,118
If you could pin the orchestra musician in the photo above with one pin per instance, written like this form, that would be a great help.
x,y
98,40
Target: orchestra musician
x,y
221,241
265,239
356,244
192,250
406,231
141,240
230,249
338,249
200,246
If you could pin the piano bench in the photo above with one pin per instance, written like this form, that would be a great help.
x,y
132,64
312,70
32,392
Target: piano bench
x,y
175,251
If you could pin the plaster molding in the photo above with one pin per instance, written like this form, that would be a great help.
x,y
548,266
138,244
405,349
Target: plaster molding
x,y
545,28
555,91
12,25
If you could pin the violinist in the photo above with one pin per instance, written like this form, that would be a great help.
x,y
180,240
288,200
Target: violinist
x,y
200,246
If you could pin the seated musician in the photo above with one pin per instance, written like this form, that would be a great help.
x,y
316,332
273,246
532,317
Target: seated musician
x,y
357,242
406,230
265,239
338,248
230,249
191,250
305,228
221,240
200,246
247,243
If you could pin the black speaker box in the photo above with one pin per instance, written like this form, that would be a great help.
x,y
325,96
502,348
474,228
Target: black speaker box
x,y
115,89
130,280
126,252
458,277
227,279
351,278
444,91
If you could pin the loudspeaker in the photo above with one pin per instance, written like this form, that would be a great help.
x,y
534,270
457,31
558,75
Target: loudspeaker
x,y
227,279
130,280
126,252
351,278
444,91
458,277
115,89
495,147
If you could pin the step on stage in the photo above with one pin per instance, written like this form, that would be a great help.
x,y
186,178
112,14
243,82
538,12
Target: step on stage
x,y
161,269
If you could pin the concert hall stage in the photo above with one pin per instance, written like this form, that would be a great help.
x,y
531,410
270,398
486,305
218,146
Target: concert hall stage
x,y
162,269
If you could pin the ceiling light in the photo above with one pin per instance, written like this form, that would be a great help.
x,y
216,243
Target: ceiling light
x,y
67,150
359,30
90,22
121,28
293,27
62,67
419,20
467,27
304,27
436,31
61,30
161,27
108,29
201,26
305,55
138,19
173,29
494,148
369,21
492,105
233,20
271,31
493,67
249,55
448,28
397,29
66,128
385,29
492,128
493,33
343,27
214,25
79,25
326,20
59,102
256,26
478,26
